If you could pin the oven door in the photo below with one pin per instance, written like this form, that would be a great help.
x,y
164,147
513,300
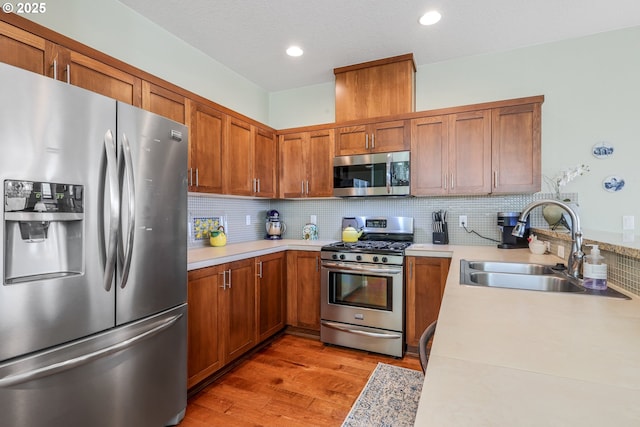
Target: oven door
x,y
362,294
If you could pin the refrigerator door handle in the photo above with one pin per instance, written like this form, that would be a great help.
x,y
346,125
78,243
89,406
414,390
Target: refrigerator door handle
x,y
114,210
128,164
66,365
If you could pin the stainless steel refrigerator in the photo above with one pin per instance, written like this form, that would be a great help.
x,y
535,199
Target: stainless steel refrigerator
x,y
93,312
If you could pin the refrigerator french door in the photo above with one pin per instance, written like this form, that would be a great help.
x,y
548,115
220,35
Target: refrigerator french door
x,y
93,264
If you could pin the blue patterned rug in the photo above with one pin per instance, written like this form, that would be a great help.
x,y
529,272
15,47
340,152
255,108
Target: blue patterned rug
x,y
390,398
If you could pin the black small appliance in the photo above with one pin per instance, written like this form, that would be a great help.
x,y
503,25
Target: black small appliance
x,y
506,223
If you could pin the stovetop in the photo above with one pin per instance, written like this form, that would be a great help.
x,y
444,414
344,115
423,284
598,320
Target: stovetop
x,y
369,246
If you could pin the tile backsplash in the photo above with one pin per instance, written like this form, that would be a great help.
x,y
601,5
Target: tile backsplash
x,y
480,211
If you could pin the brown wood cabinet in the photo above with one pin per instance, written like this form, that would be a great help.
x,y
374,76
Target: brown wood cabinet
x,y
515,148
375,89
25,50
379,137
204,349
206,135
164,102
270,294
239,309
303,289
250,156
265,155
222,307
456,151
426,278
306,164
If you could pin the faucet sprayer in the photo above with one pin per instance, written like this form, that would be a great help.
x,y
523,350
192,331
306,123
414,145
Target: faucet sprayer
x,y
577,256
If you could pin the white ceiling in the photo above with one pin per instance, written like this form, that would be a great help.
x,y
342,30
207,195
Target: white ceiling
x,y
250,36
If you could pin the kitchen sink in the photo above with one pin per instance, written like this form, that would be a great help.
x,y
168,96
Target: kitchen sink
x,y
526,276
510,267
531,282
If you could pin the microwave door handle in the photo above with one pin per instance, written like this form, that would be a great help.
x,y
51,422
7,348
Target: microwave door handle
x,y
389,159
114,210
128,163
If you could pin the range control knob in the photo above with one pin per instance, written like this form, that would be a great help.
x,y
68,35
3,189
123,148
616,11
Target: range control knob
x,y
384,259
341,256
334,256
375,259
358,258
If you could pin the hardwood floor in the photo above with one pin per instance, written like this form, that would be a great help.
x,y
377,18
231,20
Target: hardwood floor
x,y
295,381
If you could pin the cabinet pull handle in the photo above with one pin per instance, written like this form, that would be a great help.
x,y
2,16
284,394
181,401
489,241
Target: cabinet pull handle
x,y
68,69
366,141
197,178
55,69
495,179
229,284
258,181
190,177
444,178
302,187
452,182
373,141
259,269
254,185
224,279
307,188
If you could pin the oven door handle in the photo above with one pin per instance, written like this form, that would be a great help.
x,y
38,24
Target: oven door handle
x,y
359,332
342,267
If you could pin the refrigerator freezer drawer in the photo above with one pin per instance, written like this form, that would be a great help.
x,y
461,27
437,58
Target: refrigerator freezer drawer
x,y
134,375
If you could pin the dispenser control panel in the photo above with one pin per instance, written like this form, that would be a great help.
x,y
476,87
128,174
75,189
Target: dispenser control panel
x,y
31,196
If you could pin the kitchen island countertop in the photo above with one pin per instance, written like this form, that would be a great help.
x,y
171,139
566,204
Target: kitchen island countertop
x,y
505,357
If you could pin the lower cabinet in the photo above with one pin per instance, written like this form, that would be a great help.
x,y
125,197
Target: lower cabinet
x,y
270,294
222,309
425,281
303,289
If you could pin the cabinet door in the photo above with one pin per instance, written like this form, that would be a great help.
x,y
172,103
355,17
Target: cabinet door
x,y
204,352
205,149
88,73
303,289
265,159
515,146
24,50
470,152
238,158
429,155
161,101
239,309
390,136
425,285
319,153
292,168
352,140
271,294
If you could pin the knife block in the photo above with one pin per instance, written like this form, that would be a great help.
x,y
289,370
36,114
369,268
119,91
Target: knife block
x,y
441,238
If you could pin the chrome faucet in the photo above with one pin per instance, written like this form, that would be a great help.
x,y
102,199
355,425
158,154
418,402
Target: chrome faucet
x,y
577,256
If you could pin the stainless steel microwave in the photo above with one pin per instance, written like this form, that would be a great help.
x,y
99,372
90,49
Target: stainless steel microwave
x,y
380,174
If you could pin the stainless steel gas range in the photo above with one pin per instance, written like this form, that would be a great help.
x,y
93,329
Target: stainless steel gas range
x,y
362,301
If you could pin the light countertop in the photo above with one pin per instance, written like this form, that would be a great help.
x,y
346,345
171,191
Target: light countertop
x,y
504,357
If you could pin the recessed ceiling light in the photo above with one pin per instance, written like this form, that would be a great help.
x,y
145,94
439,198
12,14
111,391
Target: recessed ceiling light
x,y
430,18
294,51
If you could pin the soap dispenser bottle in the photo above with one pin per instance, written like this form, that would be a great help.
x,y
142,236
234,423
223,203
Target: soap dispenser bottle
x,y
595,270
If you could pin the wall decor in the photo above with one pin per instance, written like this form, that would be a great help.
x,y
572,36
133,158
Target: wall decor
x,y
602,150
613,183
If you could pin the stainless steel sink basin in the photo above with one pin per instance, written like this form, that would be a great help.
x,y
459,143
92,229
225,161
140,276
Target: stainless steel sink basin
x,y
510,267
531,282
525,276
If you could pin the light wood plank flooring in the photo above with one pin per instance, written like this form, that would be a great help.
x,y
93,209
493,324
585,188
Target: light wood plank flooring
x,y
296,381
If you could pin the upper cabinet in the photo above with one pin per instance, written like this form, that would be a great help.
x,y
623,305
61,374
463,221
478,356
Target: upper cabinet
x,y
25,50
379,137
375,89
306,164
206,134
265,154
164,102
489,150
515,147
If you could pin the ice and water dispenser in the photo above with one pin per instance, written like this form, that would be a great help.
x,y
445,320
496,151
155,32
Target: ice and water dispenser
x,y
43,229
